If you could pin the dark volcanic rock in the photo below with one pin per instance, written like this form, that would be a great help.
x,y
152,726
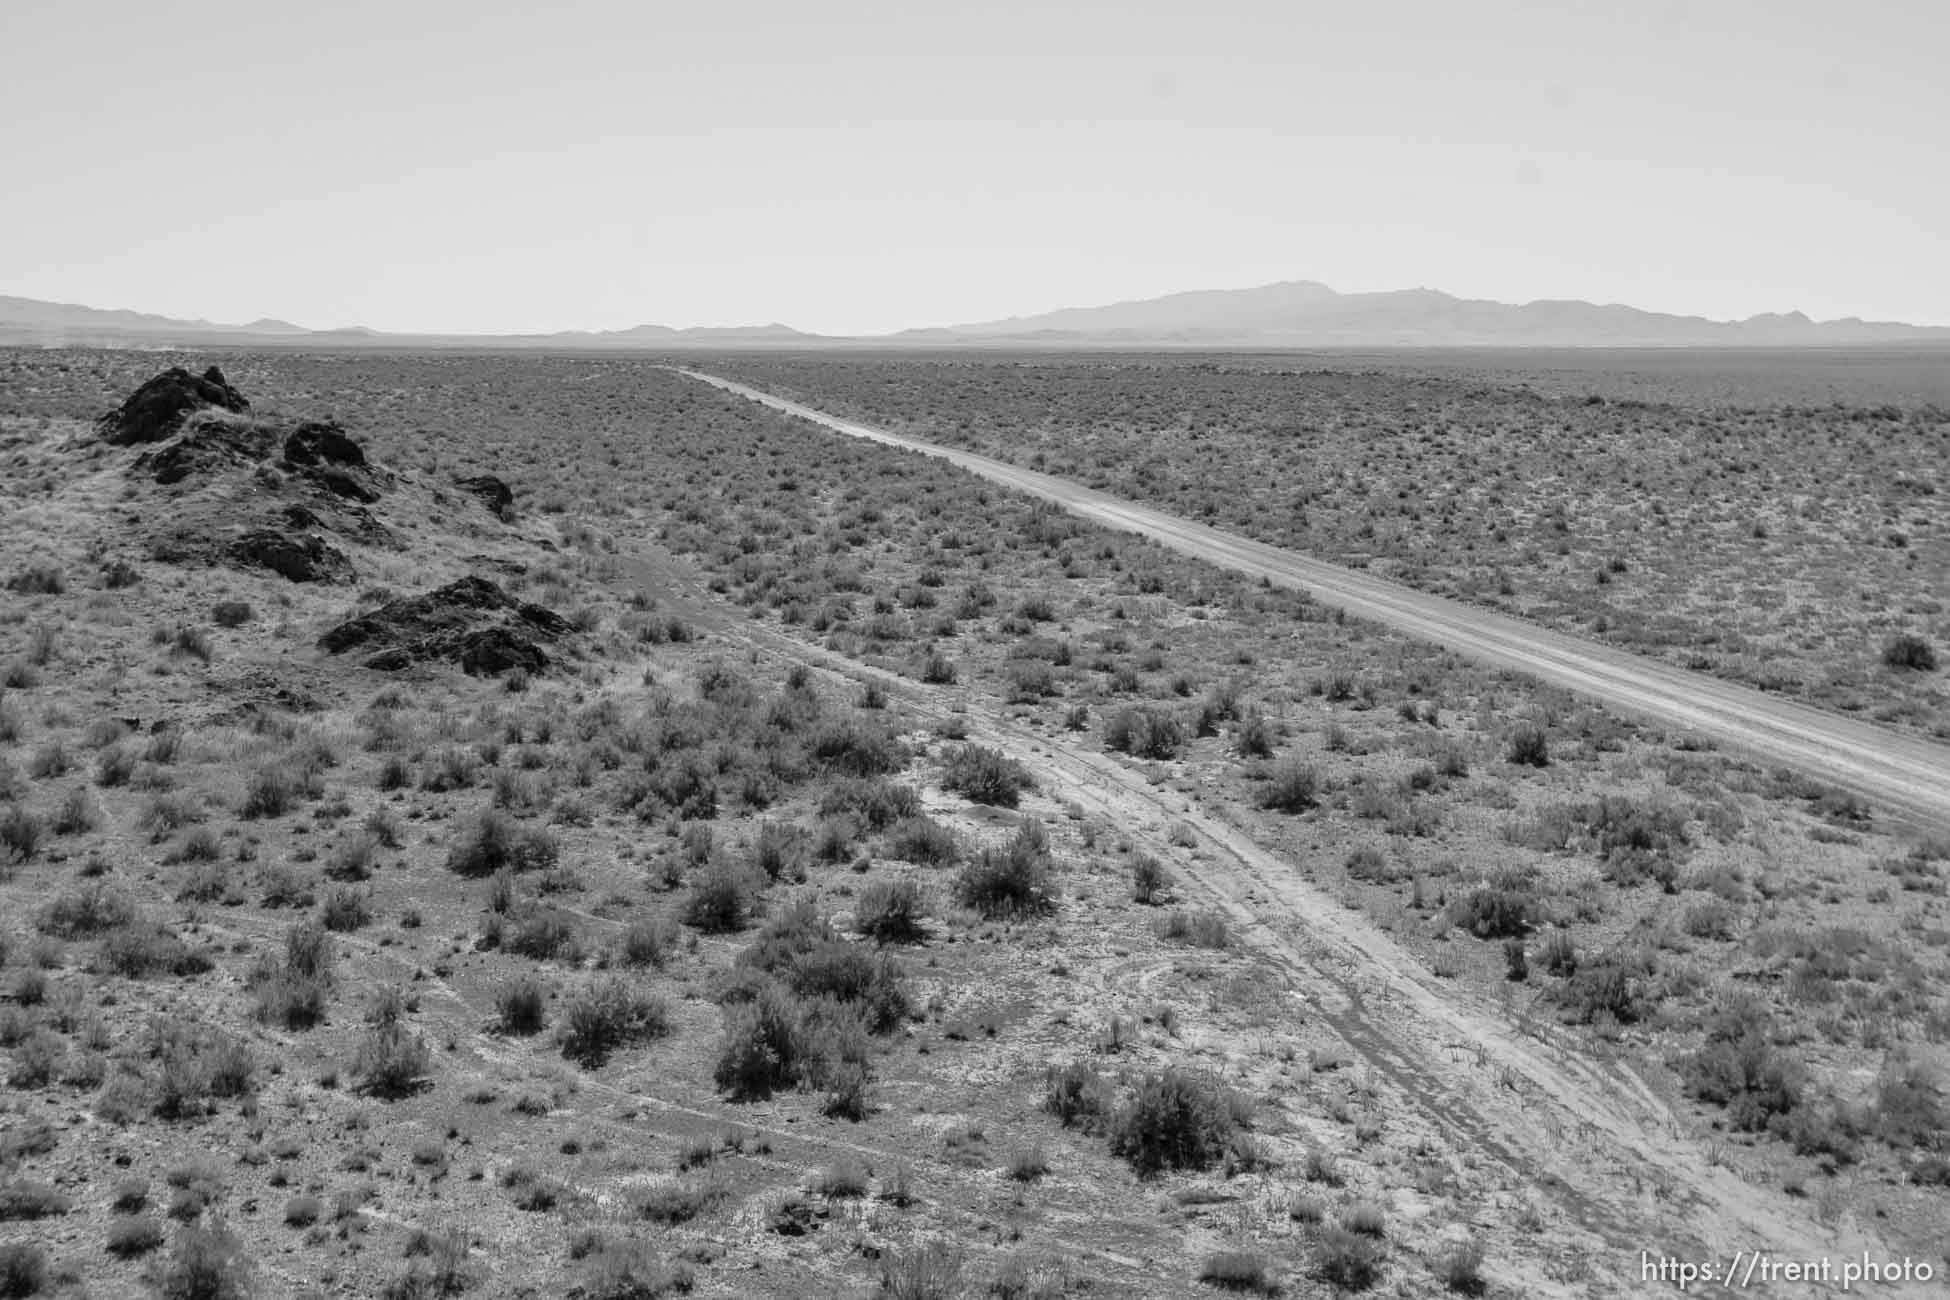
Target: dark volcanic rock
x,y
206,447
496,495
355,522
322,442
320,452
155,410
472,622
301,558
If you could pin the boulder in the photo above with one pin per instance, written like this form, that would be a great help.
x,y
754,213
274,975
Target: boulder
x,y
322,442
320,452
157,409
471,622
496,495
301,558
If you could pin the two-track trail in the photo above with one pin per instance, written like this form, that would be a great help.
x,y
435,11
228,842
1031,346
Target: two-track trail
x,y
1906,776
1575,1123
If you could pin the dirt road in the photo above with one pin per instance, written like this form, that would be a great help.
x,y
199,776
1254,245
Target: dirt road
x,y
1906,778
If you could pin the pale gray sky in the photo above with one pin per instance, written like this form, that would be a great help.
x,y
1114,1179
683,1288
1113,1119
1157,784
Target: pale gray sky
x,y
855,167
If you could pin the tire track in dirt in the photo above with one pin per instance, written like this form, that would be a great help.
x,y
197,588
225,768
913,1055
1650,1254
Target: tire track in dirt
x,y
1590,1134
1907,776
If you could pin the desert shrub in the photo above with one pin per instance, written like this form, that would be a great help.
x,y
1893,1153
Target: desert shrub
x,y
1027,1164
494,841
1238,1270
521,1006
303,1210
1144,732
1293,788
803,952
532,1191
985,776
891,911
85,912
1505,908
77,813
923,840
345,909
1516,961
115,766
145,948
844,1179
1149,879
39,580
132,1235
1364,1217
646,943
192,641
23,1269
927,1272
1346,1259
630,1270
391,1061
353,859
1012,881
763,1049
721,901
231,613
275,791
781,850
857,747
1460,1268
50,761
285,887
1909,1105
206,1263
1173,1120
1738,1069
544,934
1200,929
292,991
1559,954
875,803
26,1140
1529,746
1370,866
607,1014
1608,987
24,1198
195,1066
1254,738
20,834
1907,650
36,1056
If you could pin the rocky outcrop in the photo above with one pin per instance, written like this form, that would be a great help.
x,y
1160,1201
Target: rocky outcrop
x,y
299,557
157,409
321,453
472,623
322,442
496,495
206,447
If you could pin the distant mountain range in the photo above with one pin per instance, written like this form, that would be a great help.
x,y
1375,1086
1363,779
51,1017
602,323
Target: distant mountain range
x,y
1302,313
1294,314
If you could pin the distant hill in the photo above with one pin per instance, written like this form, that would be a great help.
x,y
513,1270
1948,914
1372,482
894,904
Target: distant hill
x,y
1294,314
31,322
1302,313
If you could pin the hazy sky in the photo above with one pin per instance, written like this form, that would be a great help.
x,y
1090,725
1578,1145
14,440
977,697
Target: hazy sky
x,y
855,167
